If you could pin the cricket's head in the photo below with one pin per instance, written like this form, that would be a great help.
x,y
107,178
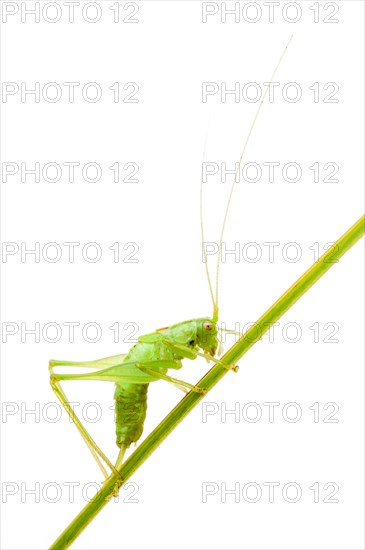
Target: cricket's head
x,y
199,333
207,335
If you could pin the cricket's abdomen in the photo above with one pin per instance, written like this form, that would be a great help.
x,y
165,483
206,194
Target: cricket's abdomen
x,y
131,399
130,412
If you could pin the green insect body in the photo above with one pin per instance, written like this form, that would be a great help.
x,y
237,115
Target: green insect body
x,y
131,399
147,361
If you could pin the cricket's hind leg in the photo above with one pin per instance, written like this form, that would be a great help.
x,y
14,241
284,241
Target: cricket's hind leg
x,y
120,458
95,450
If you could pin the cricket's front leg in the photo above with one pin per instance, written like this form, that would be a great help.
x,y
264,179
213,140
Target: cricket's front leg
x,y
181,384
192,353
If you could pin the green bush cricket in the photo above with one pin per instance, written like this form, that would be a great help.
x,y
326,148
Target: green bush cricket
x,y
152,356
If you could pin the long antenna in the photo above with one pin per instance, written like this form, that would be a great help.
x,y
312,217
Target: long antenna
x,y
215,308
215,301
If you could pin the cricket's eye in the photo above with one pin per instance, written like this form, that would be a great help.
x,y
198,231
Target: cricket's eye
x,y
207,325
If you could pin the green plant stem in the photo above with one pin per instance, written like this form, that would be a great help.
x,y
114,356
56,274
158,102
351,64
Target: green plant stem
x,y
287,300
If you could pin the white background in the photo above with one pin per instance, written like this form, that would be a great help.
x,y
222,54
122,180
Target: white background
x,y
169,53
